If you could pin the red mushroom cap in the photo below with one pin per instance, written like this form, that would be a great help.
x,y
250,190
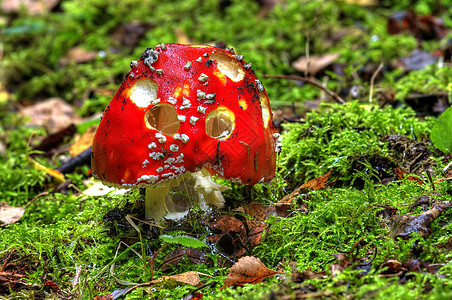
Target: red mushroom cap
x,y
185,107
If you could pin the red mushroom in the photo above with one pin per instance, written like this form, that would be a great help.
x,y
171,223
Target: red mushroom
x,y
182,110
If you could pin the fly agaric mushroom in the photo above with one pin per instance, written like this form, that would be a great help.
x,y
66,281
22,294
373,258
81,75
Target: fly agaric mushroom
x,y
184,112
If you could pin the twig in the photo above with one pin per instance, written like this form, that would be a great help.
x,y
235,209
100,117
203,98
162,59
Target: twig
x,y
372,80
312,81
37,196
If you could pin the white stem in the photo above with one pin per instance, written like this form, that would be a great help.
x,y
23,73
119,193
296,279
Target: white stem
x,y
155,207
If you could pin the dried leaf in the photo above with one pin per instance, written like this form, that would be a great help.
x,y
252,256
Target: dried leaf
x,y
403,226
34,7
77,55
318,183
174,257
230,235
53,140
10,214
130,34
402,174
248,269
314,184
54,114
54,173
83,142
191,278
314,64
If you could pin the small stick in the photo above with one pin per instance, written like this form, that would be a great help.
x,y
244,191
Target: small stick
x,y
312,81
372,80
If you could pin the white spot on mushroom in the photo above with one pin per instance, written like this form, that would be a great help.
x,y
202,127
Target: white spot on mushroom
x,y
238,57
170,160
259,85
151,57
162,46
161,138
193,120
172,100
181,118
210,98
188,65
156,101
203,77
159,169
145,162
201,109
199,59
152,145
166,167
180,158
148,178
156,155
168,175
247,66
183,137
174,148
200,95
159,72
134,64
278,145
185,103
143,92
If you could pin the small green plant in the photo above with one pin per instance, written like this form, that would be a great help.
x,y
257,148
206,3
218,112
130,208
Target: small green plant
x,y
441,134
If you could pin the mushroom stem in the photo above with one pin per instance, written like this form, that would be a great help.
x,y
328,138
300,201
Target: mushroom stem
x,y
155,207
159,203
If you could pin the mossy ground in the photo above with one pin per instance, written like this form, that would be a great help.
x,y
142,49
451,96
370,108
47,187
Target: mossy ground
x,y
62,233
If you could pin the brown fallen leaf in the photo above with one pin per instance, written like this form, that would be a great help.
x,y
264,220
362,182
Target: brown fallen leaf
x,y
130,34
314,64
77,55
230,235
248,269
191,278
402,174
54,114
314,184
34,7
52,141
83,142
404,226
10,214
174,257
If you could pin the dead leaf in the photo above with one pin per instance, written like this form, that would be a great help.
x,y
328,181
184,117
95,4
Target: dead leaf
x,y
54,114
248,269
175,256
77,55
404,226
34,7
10,214
130,34
229,235
418,60
54,173
181,36
308,274
313,184
402,174
83,142
422,27
51,141
314,64
191,278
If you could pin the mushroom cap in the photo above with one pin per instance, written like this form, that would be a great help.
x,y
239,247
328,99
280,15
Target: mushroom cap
x,y
182,108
